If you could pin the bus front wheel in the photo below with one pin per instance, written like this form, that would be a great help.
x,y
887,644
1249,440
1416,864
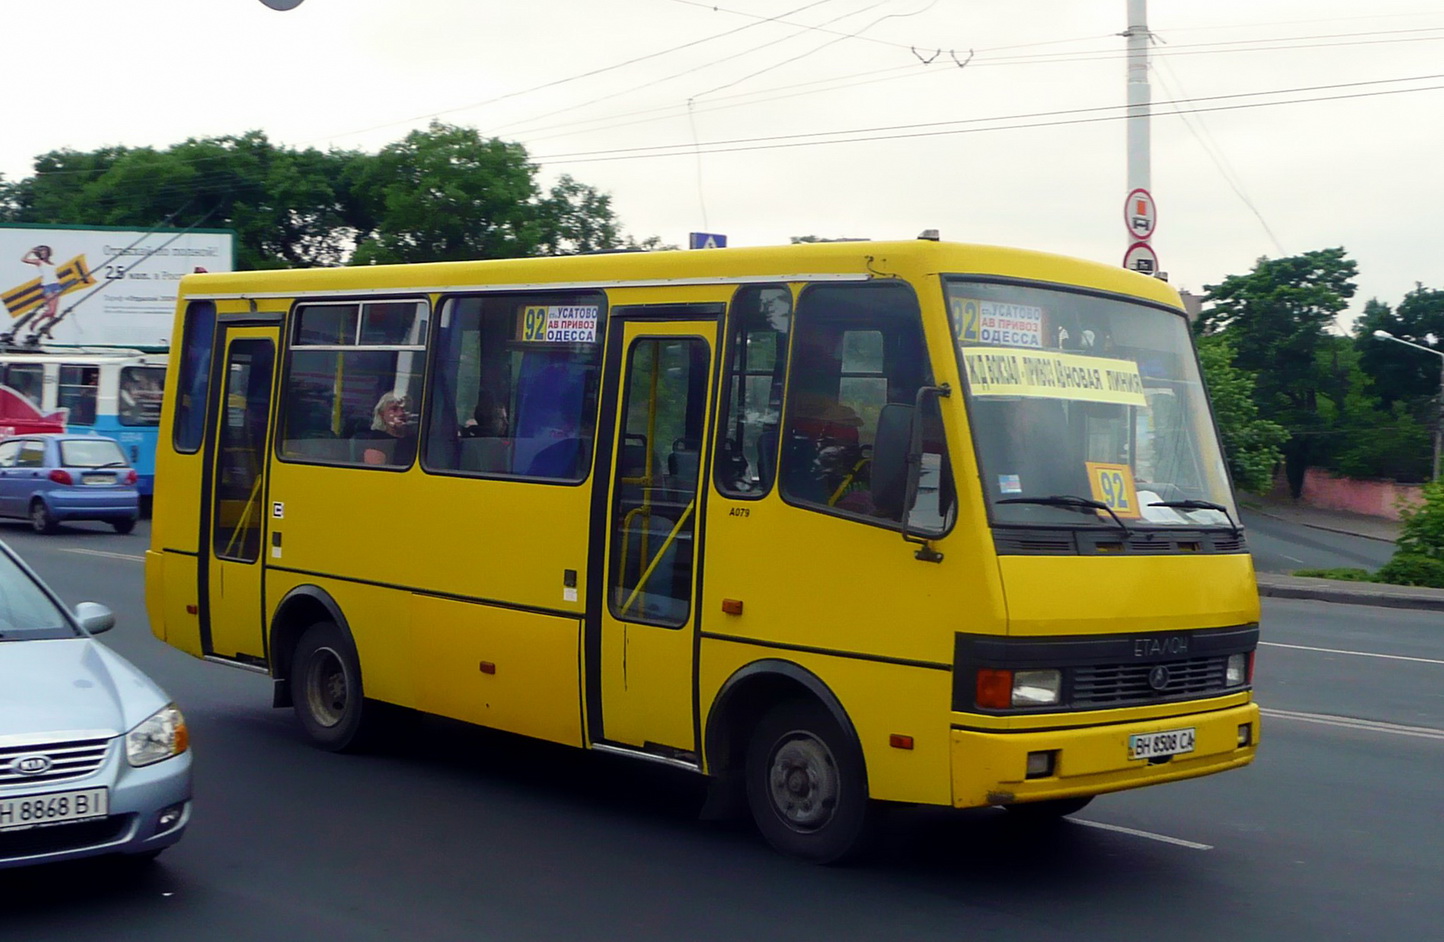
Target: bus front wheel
x,y
806,785
326,689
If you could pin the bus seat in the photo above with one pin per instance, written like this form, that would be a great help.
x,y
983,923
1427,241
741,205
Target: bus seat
x,y
684,463
486,454
558,460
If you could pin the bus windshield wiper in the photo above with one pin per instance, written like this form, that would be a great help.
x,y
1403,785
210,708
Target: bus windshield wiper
x,y
1070,502
1201,505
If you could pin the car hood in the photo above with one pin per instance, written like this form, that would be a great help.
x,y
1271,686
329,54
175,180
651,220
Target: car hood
x,y
71,685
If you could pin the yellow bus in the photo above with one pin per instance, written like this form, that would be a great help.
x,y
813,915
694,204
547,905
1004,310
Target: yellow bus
x,y
835,525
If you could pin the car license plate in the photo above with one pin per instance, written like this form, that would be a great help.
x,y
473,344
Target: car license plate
x,y
17,814
1170,742
98,478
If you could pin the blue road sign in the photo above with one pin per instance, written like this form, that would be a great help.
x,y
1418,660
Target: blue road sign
x,y
706,240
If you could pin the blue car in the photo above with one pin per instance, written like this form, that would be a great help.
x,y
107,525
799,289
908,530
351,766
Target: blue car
x,y
94,757
50,478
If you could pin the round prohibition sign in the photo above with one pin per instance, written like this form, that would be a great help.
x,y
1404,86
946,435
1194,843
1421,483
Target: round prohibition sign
x,y
1140,257
1140,214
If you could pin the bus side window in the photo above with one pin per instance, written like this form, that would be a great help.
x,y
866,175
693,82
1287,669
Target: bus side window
x,y
353,381
514,393
758,327
855,350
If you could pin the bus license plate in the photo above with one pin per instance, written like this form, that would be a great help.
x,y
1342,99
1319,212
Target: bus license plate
x,y
1170,742
17,814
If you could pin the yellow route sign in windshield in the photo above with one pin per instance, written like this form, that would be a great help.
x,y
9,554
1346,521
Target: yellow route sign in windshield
x,y
1048,375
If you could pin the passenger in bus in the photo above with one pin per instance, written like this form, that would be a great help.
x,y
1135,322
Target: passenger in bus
x,y
489,418
391,439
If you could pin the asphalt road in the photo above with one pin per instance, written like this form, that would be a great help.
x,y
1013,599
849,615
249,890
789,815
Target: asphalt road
x,y
1279,546
456,833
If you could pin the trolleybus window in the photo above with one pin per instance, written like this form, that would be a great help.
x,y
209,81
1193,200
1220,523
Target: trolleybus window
x,y
140,393
79,389
515,393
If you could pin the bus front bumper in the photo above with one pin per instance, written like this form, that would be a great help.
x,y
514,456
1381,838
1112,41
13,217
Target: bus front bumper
x,y
991,768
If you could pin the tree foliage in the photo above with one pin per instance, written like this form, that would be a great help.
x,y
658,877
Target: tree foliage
x,y
1276,317
1250,443
444,193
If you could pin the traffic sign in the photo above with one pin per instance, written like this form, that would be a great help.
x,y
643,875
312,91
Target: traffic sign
x,y
1140,257
1140,214
706,240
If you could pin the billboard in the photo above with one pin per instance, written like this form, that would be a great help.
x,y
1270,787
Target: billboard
x,y
99,285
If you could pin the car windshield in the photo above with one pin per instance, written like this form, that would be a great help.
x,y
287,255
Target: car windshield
x,y
26,612
1094,399
91,453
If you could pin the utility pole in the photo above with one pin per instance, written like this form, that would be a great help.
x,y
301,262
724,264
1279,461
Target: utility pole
x,y
1140,214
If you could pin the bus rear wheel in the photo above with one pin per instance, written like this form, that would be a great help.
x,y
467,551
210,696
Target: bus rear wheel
x,y
806,785
326,689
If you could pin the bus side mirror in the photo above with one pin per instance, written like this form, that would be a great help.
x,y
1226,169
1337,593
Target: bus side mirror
x,y
890,459
897,464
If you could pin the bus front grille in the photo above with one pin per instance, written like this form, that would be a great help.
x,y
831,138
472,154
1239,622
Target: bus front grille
x,y
1098,685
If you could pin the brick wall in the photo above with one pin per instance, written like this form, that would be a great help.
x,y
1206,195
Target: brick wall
x,y
1375,498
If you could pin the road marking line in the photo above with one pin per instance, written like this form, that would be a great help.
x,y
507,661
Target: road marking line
x,y
1388,657
1349,722
86,552
1192,845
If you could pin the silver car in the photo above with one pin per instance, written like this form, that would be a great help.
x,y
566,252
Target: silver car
x,y
94,758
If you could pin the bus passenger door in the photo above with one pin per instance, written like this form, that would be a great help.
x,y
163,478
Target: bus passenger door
x,y
234,521
648,616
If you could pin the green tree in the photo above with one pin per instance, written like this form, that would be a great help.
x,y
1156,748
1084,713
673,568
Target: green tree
x,y
1250,443
440,194
1276,318
1419,559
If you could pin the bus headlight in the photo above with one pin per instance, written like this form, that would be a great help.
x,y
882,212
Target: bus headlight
x,y
1037,688
1235,673
161,736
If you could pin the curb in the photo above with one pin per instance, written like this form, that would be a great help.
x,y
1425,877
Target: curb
x,y
1350,593
1316,526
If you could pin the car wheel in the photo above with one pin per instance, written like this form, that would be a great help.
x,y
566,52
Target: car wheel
x,y
326,690
806,785
40,517
123,526
1049,810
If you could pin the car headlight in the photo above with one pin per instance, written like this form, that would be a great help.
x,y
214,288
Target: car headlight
x,y
161,736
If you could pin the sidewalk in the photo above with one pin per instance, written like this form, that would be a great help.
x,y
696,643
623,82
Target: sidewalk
x,y
1337,590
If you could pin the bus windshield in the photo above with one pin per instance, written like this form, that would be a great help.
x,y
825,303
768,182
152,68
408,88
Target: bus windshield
x,y
1086,397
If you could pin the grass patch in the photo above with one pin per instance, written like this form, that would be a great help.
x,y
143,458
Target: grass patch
x,y
1343,574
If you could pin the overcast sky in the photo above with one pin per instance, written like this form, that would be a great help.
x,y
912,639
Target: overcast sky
x,y
994,121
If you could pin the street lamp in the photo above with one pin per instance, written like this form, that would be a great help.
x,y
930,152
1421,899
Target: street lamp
x,y
1439,424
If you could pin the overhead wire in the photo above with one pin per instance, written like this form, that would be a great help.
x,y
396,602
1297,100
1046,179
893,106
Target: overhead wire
x,y
1215,153
930,129
512,126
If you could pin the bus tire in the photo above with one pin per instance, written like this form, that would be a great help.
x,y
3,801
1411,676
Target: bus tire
x,y
40,517
806,785
1049,810
326,689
